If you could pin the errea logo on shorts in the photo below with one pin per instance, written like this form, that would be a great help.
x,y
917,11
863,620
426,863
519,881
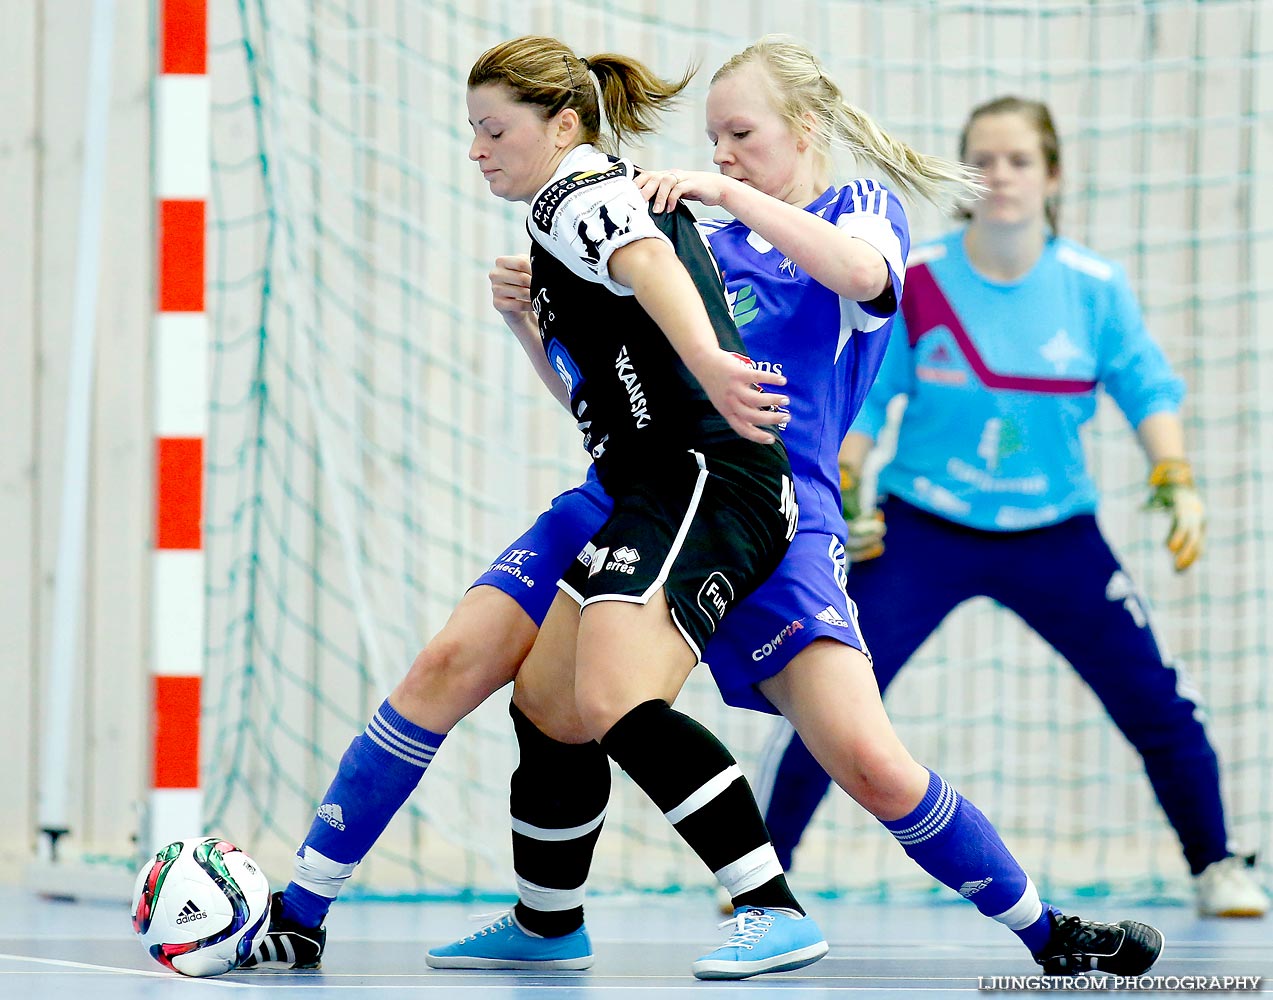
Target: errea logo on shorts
x,y
621,560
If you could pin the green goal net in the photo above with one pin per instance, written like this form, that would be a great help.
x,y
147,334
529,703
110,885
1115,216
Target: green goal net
x,y
377,437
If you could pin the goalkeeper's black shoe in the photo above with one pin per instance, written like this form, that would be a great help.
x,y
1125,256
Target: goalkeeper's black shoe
x,y
287,945
1127,948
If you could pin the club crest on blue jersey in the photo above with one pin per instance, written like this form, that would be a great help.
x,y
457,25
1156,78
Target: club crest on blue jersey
x,y
743,305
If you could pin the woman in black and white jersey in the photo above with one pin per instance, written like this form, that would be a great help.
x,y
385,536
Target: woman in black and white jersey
x,y
633,319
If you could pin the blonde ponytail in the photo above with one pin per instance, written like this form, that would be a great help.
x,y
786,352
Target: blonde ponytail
x,y
803,91
937,180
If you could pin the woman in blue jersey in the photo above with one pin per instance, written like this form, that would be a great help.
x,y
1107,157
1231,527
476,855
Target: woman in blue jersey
x,y
1007,330
821,271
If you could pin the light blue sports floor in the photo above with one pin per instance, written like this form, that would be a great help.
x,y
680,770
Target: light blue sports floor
x,y
644,947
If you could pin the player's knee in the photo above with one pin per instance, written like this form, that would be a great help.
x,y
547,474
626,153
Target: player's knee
x,y
886,783
598,709
552,714
450,671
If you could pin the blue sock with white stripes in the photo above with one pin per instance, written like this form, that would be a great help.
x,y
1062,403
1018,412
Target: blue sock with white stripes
x,y
380,769
949,838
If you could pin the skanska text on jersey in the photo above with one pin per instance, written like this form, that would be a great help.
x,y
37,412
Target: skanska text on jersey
x,y
636,395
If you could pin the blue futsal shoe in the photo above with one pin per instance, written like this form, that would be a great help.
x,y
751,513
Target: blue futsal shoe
x,y
764,940
504,945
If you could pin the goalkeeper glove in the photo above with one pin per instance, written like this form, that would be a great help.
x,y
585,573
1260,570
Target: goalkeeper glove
x,y
1173,490
866,528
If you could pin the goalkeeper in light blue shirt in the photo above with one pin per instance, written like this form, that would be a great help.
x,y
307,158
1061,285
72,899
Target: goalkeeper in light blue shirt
x,y
1006,332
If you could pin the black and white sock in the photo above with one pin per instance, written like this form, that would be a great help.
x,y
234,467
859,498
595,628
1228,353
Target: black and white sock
x,y
697,784
558,802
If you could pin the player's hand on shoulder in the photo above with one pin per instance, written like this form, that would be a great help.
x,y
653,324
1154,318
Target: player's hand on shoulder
x,y
733,386
865,527
1173,490
510,284
665,189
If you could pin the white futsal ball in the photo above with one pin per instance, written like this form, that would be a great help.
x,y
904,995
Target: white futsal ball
x,y
201,906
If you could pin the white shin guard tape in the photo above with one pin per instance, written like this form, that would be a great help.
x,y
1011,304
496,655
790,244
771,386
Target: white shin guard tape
x,y
546,900
751,870
1024,911
320,874
558,835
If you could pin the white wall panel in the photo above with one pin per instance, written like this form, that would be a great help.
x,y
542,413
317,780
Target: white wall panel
x,y
19,432
43,65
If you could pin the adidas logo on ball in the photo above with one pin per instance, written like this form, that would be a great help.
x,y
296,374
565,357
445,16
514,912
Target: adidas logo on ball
x,y
190,912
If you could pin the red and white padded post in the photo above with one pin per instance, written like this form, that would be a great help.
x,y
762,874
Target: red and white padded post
x,y
181,185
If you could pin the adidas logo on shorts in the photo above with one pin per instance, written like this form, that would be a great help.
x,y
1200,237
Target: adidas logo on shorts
x,y
831,617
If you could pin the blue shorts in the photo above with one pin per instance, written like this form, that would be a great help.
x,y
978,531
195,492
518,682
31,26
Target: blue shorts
x,y
528,570
803,600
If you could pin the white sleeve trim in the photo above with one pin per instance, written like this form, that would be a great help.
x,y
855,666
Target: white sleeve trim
x,y
878,232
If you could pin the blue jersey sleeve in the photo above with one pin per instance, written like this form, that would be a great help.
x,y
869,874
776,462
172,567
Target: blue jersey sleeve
x,y
1132,366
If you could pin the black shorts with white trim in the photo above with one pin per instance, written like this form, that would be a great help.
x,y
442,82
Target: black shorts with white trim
x,y
707,528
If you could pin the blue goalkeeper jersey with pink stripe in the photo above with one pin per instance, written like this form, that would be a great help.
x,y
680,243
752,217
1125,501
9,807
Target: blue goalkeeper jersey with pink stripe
x,y
828,348
1000,377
